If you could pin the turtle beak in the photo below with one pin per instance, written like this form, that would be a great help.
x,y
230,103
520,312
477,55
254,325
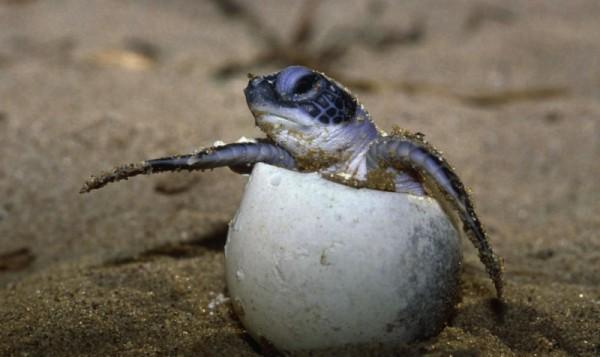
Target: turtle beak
x,y
260,93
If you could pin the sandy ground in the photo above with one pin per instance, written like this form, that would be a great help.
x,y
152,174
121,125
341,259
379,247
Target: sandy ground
x,y
509,91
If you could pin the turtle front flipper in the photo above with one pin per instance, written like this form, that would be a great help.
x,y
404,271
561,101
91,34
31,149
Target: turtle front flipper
x,y
240,157
409,152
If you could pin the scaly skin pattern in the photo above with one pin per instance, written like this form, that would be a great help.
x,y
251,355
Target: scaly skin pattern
x,y
314,124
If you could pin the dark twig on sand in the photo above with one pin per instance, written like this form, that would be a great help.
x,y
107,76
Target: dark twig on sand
x,y
300,47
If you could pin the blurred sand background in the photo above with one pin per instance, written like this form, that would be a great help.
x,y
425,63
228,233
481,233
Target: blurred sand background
x,y
510,91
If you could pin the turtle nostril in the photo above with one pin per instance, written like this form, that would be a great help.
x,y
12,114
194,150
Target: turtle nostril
x,y
254,82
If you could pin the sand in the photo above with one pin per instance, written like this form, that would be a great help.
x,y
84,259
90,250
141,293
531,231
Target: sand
x,y
508,91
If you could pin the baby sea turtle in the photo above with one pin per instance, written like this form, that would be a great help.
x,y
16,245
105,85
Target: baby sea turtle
x,y
314,124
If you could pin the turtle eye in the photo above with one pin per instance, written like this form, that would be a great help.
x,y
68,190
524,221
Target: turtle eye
x,y
305,84
296,83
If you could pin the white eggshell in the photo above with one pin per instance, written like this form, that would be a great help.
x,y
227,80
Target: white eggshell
x,y
314,264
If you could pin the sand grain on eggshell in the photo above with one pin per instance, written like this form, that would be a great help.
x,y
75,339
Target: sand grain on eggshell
x,y
509,92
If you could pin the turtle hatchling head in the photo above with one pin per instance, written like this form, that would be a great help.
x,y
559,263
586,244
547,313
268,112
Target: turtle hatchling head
x,y
309,114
